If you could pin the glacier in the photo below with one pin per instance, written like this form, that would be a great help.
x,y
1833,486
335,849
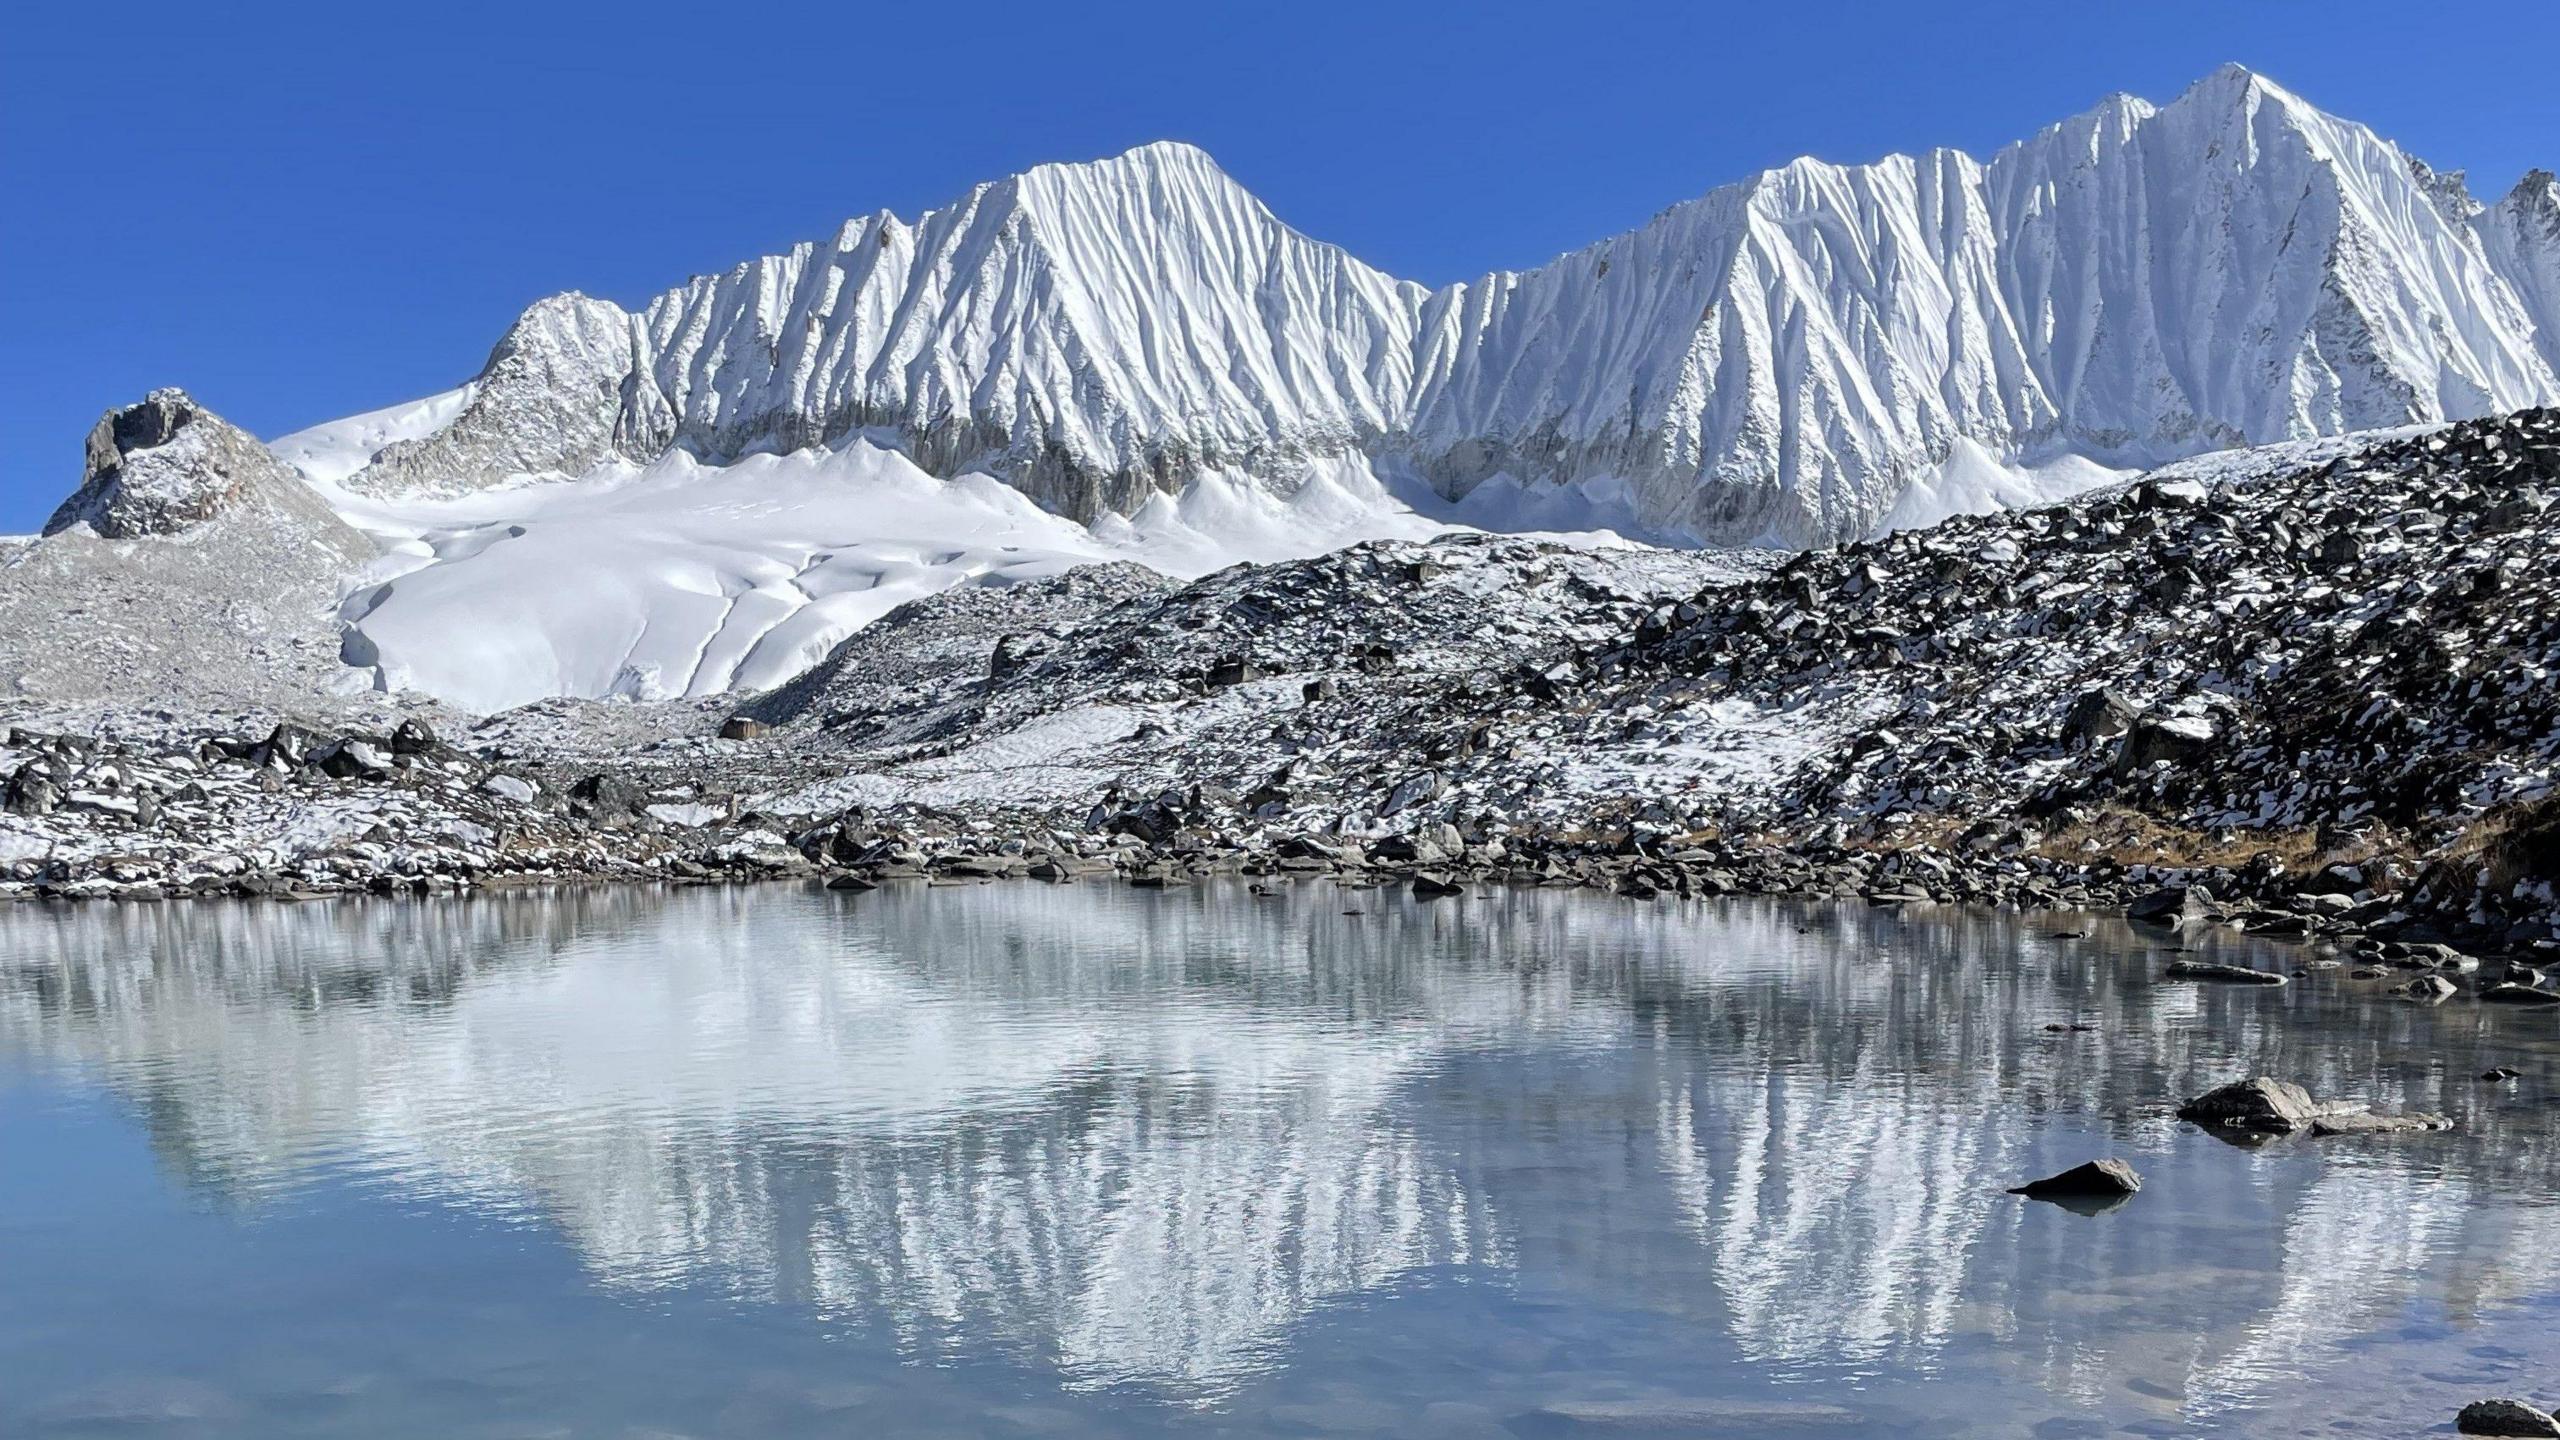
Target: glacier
x,y
1134,358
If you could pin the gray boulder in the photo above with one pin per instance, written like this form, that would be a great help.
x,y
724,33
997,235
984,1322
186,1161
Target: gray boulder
x,y
2264,1106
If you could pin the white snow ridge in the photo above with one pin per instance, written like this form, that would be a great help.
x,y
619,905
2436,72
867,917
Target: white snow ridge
x,y
1134,358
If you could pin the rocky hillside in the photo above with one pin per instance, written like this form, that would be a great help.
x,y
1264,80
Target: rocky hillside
x,y
2333,659
191,566
2361,646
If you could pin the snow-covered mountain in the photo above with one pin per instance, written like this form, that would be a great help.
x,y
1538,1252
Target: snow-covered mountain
x,y
1096,333
1134,358
1778,360
1786,356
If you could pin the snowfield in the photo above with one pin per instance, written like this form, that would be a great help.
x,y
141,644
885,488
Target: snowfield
x,y
681,579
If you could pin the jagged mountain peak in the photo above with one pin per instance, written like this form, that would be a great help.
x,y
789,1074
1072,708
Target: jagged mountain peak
x,y
1155,157
2539,188
2232,81
2230,93
1166,176
2520,235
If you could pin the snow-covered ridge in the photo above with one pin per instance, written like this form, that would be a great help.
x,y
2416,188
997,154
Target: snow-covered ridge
x,y
1780,359
1095,333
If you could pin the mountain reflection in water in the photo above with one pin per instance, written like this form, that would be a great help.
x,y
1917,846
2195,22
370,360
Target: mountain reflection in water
x,y
1529,1161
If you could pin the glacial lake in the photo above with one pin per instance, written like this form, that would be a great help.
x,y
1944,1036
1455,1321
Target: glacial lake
x,y
1020,1160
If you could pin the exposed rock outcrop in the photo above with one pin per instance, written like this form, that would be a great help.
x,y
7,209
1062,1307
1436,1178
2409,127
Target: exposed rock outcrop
x,y
166,465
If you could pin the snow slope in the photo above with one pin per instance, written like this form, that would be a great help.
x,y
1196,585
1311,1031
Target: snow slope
x,y
681,579
332,452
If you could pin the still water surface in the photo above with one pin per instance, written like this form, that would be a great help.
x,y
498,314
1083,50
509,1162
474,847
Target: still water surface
x,y
1088,1161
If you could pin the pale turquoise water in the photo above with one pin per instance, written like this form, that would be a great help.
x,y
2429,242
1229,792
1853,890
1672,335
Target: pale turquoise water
x,y
1021,1160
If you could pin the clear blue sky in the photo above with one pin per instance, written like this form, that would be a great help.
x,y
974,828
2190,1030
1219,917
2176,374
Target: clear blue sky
x,y
302,212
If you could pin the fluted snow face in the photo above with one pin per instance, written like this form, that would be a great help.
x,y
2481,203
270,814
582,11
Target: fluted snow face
x,y
1764,362
2239,268
2521,235
1780,360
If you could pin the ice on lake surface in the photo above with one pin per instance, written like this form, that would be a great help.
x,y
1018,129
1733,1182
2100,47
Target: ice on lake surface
x,y
1090,1161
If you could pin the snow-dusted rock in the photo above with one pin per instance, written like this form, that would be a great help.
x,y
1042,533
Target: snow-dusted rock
x,y
167,464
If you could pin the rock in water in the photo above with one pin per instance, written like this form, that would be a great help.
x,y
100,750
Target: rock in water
x,y
2227,974
2098,1186
2263,1106
2510,993
2276,1107
2367,1122
2504,1417
2174,906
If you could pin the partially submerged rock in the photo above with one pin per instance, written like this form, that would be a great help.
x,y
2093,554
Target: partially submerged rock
x,y
2504,1417
2510,993
2222,974
2095,1187
2367,1122
2261,1106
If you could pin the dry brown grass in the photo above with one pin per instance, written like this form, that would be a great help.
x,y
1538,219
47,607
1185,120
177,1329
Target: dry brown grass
x,y
1936,832
2512,843
2129,837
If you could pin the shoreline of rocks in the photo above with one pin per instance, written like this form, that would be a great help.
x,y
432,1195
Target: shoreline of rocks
x,y
490,825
